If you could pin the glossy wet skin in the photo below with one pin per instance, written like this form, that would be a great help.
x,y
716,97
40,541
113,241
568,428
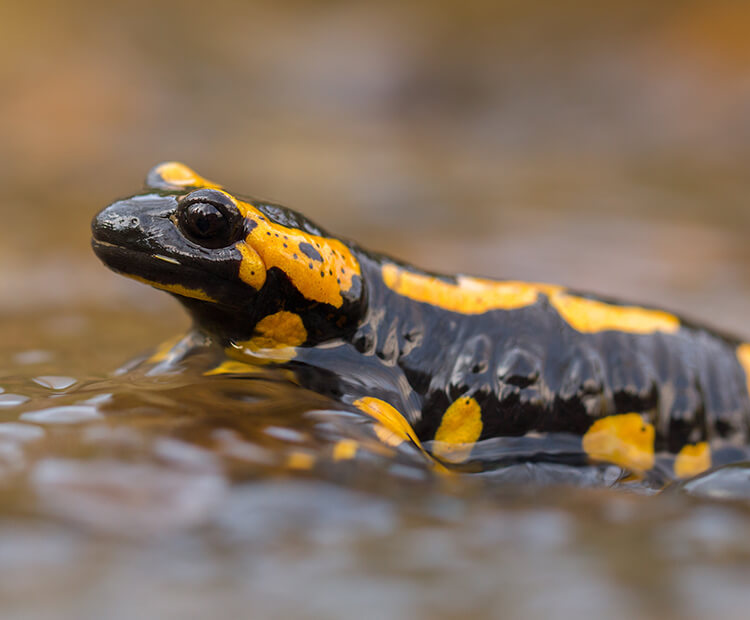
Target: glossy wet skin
x,y
229,261
450,360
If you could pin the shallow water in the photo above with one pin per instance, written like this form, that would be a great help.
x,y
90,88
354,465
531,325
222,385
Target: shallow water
x,y
142,494
598,145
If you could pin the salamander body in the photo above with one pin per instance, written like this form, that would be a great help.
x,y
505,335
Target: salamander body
x,y
450,363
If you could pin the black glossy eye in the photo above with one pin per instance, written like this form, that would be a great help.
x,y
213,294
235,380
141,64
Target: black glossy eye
x,y
210,218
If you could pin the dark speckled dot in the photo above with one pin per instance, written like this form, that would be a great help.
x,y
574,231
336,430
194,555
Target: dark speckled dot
x,y
295,257
330,272
268,233
285,245
310,265
322,274
338,280
310,252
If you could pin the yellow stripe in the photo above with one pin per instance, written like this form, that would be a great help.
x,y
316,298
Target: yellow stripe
x,y
232,367
393,428
475,296
177,289
625,440
467,296
590,315
459,430
388,436
389,417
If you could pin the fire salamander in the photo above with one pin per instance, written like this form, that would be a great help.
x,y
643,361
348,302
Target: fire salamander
x,y
452,364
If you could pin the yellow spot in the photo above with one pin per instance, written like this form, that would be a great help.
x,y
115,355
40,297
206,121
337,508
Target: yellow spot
x,y
459,430
345,449
625,440
468,295
692,460
163,350
322,274
589,315
232,367
274,341
743,355
252,269
282,329
300,460
177,289
475,296
176,175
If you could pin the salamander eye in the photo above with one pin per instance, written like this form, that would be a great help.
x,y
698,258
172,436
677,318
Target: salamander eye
x,y
210,218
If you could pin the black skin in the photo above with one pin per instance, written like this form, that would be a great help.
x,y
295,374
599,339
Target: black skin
x,y
528,369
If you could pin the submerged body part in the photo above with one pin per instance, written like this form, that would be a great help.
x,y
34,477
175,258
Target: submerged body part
x,y
476,373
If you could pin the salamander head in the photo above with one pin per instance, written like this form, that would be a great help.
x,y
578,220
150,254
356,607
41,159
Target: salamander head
x,y
231,262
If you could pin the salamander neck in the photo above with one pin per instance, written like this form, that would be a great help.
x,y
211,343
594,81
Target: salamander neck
x,y
393,325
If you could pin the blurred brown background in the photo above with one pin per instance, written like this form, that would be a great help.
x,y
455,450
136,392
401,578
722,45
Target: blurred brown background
x,y
602,145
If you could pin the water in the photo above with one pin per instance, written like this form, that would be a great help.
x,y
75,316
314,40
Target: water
x,y
175,494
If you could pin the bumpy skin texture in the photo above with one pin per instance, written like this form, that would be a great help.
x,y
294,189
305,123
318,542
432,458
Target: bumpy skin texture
x,y
463,360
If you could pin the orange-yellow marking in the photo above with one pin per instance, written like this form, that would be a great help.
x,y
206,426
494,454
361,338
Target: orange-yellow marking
x,y
590,315
468,296
743,355
274,245
625,440
178,175
282,329
459,430
177,289
393,428
252,269
232,367
692,460
300,460
475,296
388,416
275,339
388,436
345,449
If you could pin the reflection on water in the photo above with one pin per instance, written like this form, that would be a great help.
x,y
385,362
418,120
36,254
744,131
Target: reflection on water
x,y
175,493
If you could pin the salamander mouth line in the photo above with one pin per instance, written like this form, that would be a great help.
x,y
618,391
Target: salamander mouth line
x,y
130,263
105,244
